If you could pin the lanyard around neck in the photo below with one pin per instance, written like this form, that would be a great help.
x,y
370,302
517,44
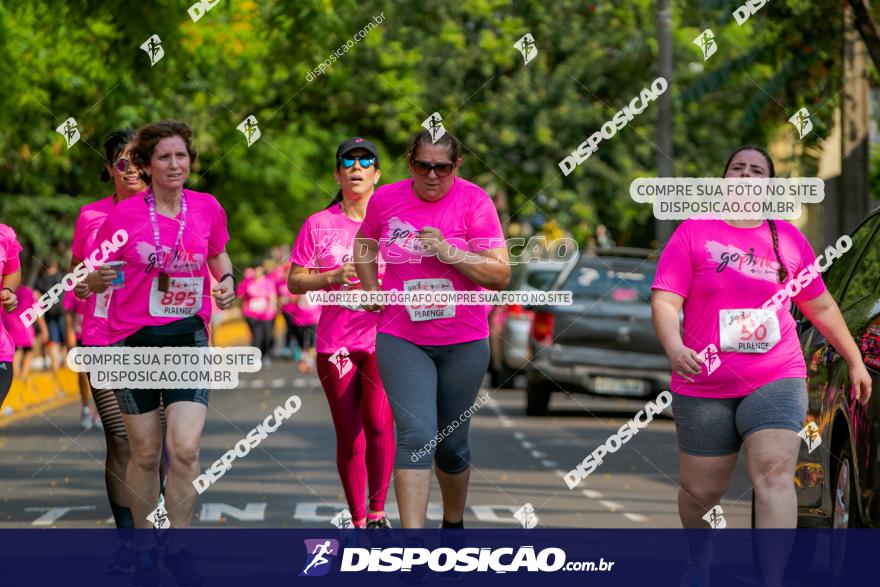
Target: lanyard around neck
x,y
151,205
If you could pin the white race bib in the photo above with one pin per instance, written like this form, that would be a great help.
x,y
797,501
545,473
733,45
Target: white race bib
x,y
258,305
102,303
182,300
422,312
749,330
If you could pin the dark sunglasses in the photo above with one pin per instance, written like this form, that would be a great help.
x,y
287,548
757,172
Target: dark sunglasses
x,y
424,168
365,161
122,164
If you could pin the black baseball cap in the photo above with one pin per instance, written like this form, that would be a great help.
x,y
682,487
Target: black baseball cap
x,y
357,143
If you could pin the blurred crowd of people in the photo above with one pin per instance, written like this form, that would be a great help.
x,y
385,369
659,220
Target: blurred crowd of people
x,y
264,298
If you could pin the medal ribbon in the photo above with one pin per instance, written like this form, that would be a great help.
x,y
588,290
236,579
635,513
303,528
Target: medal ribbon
x,y
151,205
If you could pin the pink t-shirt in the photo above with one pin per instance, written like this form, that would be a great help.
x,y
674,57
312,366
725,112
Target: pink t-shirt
x,y
91,218
468,220
138,302
22,336
718,268
324,244
302,312
259,298
76,306
9,264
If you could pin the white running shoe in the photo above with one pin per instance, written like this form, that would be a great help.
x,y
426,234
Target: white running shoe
x,y
87,421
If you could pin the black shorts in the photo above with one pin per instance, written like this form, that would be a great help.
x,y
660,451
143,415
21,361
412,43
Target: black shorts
x,y
5,380
305,336
189,332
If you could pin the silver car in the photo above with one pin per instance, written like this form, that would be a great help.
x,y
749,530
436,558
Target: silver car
x,y
510,325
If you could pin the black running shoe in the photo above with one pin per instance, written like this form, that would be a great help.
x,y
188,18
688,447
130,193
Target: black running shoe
x,y
123,562
181,565
146,571
381,523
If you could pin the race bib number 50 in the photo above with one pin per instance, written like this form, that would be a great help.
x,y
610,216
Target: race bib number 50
x,y
183,298
748,331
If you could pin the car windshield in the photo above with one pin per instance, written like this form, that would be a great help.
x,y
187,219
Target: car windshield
x,y
615,280
542,279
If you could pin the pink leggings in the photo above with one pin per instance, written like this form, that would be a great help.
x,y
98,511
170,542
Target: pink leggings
x,y
364,428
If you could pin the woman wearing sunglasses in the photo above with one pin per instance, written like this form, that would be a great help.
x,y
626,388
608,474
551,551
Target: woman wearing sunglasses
x,y
437,232
346,336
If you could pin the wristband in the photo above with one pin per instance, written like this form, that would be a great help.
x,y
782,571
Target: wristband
x,y
9,289
228,275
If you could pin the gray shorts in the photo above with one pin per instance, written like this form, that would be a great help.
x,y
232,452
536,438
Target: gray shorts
x,y
712,427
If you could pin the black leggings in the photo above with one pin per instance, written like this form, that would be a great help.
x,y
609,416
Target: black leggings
x,y
432,390
5,380
262,334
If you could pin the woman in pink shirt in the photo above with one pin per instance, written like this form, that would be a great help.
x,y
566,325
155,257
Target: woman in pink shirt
x,y
175,237
10,278
346,336
436,231
739,374
23,336
259,302
119,170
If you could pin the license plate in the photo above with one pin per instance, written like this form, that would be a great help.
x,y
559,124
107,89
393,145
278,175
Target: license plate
x,y
621,386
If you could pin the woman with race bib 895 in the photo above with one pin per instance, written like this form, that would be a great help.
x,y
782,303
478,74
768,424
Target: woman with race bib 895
x,y
436,231
175,236
720,273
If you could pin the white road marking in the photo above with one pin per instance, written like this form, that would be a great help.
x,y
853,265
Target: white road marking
x,y
591,493
635,517
611,505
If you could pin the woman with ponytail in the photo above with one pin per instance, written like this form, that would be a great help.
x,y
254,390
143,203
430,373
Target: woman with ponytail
x,y
739,374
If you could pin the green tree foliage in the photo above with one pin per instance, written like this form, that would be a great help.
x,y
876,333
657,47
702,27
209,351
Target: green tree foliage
x,y
82,58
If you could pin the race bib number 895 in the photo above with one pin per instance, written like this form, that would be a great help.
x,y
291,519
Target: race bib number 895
x,y
183,298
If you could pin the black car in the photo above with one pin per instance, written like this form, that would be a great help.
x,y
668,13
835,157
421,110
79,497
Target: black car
x,y
838,483
604,343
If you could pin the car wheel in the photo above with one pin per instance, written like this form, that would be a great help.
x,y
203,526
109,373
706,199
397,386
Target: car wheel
x,y
502,377
845,513
537,396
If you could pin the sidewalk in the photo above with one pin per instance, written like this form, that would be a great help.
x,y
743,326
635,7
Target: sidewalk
x,y
45,390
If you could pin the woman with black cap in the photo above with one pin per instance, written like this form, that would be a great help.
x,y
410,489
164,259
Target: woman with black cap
x,y
346,336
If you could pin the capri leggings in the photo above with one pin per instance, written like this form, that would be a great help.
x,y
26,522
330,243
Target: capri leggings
x,y
431,390
5,380
364,428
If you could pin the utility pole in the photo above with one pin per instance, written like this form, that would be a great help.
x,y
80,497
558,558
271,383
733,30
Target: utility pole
x,y
854,195
665,163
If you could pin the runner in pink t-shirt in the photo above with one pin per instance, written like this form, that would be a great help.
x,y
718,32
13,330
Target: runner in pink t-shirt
x,y
346,360
436,231
739,371
119,170
259,307
22,336
10,278
175,236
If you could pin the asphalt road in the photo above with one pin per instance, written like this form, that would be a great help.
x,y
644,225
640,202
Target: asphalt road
x,y
51,473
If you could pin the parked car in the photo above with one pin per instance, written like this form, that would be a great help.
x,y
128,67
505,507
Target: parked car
x,y
510,325
604,343
838,483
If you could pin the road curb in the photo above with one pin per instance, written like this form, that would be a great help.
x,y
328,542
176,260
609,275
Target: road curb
x,y
44,390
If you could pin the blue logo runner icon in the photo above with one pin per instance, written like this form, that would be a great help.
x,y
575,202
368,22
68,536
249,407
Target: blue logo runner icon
x,y
320,554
